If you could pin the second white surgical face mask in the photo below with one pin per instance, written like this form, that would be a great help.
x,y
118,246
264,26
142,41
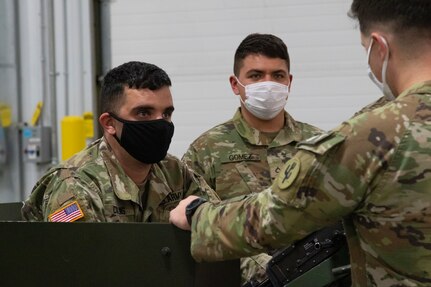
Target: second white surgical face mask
x,y
383,86
265,100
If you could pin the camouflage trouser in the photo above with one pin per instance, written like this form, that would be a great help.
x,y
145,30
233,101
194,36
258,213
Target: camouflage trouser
x,y
254,267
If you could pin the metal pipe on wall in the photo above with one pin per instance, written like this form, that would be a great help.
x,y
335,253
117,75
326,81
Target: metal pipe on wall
x,y
17,165
49,78
66,57
102,44
105,35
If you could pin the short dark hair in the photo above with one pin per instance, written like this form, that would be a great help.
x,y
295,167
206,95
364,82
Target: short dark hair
x,y
399,15
260,44
135,75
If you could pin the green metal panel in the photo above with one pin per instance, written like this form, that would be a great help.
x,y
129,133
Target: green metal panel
x,y
105,254
126,254
10,211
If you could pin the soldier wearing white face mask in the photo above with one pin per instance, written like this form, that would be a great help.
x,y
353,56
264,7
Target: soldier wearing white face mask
x,y
265,100
372,171
245,154
383,86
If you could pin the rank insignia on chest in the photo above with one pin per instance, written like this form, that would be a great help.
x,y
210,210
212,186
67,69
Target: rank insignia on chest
x,y
288,173
68,213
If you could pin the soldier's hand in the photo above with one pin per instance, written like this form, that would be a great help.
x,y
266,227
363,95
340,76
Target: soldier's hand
x,y
177,216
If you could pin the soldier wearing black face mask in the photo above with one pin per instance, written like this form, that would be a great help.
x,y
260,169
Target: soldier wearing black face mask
x,y
127,175
154,135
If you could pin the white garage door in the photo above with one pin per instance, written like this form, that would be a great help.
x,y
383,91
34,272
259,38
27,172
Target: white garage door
x,y
195,41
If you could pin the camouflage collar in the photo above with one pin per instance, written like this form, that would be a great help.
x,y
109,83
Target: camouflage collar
x,y
157,183
418,88
289,133
123,186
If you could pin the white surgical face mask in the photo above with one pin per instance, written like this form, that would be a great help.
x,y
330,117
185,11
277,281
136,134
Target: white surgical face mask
x,y
382,86
265,100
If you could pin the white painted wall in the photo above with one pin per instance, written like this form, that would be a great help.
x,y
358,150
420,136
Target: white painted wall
x,y
195,41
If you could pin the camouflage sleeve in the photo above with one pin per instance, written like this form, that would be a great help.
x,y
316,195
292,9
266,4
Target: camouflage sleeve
x,y
196,161
304,198
65,189
372,171
31,210
196,185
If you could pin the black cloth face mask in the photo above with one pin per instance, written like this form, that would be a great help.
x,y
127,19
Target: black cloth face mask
x,y
146,141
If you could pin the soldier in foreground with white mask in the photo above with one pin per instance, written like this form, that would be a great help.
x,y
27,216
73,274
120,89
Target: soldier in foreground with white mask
x,y
245,154
372,171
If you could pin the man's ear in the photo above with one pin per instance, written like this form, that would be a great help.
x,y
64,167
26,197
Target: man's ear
x,y
107,123
381,45
234,84
290,81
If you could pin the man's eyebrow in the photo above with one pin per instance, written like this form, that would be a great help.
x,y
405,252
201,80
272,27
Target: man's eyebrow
x,y
279,71
143,107
254,71
152,108
261,71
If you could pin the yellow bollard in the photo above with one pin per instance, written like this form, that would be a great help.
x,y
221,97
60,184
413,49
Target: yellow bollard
x,y
72,136
5,115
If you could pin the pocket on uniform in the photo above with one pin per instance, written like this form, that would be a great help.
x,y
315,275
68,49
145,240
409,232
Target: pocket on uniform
x,y
249,177
230,182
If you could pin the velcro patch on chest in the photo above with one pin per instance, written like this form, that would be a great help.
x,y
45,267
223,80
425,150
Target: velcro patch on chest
x,y
237,157
172,197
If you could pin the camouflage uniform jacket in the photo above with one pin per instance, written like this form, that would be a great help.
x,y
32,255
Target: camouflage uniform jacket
x,y
96,181
374,171
374,105
236,159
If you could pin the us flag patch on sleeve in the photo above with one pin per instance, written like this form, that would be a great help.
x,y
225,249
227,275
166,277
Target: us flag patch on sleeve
x,y
69,213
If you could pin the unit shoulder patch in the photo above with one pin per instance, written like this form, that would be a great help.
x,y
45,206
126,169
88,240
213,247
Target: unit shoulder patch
x,y
288,173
